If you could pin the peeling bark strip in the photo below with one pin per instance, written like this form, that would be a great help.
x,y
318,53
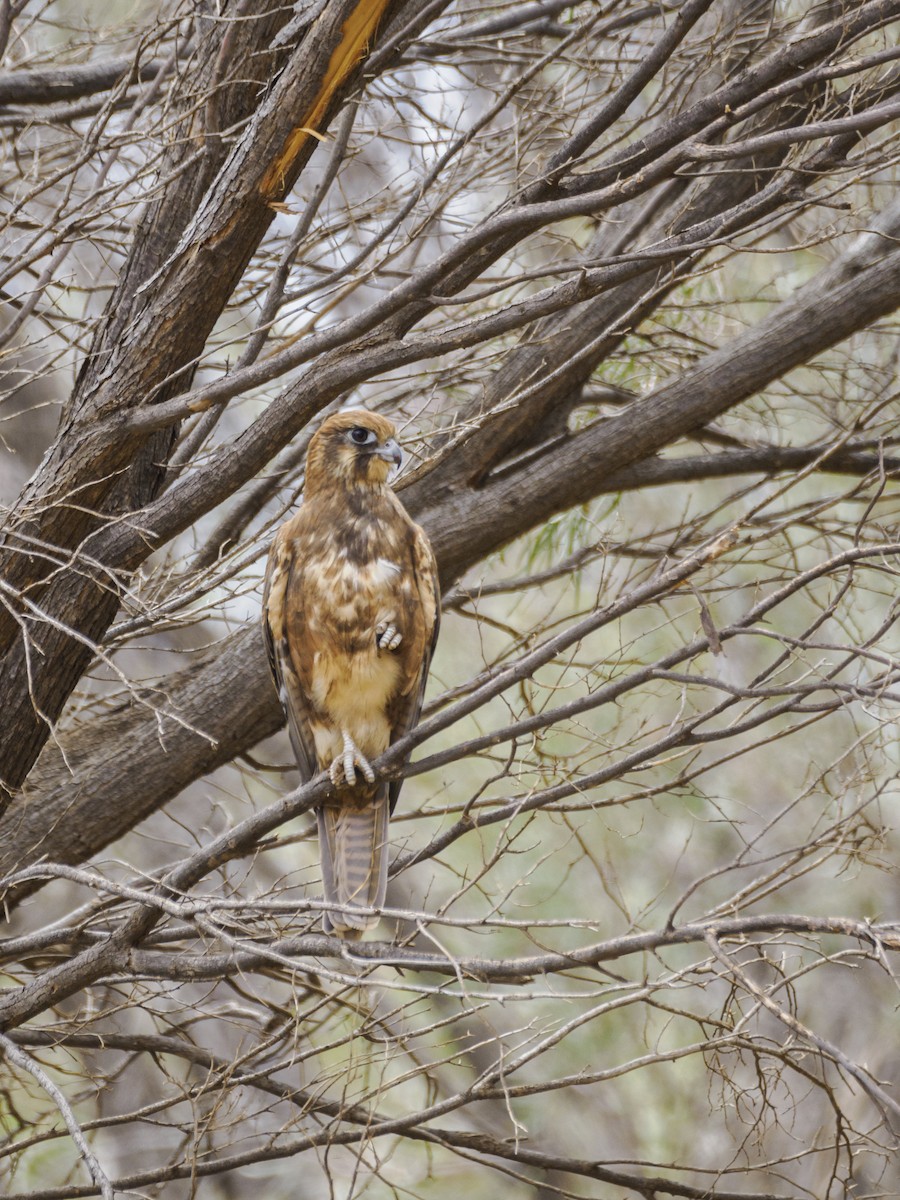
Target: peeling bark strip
x,y
357,32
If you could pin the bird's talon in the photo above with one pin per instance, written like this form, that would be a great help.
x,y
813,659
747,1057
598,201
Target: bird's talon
x,y
343,769
387,636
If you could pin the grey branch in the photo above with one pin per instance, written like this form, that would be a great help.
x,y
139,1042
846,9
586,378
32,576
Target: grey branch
x,y
25,1062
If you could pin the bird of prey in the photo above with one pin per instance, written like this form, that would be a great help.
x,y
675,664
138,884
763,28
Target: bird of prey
x,y
350,613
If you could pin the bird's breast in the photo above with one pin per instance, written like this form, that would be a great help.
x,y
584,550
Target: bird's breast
x,y
351,681
353,596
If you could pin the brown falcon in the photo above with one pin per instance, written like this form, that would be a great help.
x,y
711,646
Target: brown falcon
x,y
350,613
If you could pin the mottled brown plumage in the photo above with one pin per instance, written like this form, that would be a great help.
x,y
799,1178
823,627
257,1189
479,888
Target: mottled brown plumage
x,y
350,612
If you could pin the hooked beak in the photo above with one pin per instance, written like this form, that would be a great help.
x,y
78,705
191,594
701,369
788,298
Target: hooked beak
x,y
390,452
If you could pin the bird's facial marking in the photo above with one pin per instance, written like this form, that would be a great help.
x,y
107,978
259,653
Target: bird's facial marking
x,y
378,469
367,452
353,447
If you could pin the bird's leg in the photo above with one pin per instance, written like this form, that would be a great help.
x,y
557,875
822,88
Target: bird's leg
x,y
387,636
343,768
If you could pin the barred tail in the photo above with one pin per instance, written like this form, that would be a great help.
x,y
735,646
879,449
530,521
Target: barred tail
x,y
353,849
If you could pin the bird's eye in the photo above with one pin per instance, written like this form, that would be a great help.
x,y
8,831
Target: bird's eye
x,y
360,436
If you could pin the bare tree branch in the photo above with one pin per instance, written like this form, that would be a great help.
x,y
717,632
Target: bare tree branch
x,y
625,276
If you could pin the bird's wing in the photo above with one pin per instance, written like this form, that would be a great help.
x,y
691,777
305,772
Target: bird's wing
x,y
406,715
282,578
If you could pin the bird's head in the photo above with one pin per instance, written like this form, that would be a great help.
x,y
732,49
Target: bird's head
x,y
354,449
